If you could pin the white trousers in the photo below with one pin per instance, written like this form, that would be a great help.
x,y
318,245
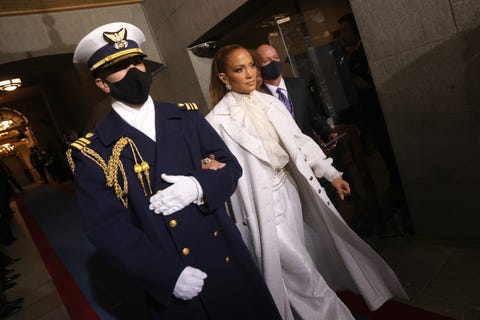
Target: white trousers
x,y
309,295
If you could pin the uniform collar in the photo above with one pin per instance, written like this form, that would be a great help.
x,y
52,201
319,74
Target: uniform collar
x,y
113,127
142,118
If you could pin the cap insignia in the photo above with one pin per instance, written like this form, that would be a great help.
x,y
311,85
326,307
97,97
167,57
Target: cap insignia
x,y
117,38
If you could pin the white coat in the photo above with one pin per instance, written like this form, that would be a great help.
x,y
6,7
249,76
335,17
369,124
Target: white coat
x,y
345,261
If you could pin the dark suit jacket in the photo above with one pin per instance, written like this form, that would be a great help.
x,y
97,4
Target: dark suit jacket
x,y
307,113
151,248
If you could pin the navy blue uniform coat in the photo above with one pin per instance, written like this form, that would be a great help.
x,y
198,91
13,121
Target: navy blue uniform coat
x,y
146,245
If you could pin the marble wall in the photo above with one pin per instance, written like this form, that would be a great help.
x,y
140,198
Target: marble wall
x,y
176,24
42,34
425,58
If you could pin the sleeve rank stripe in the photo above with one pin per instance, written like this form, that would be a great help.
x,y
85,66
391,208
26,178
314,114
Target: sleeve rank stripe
x,y
188,105
76,146
80,143
84,140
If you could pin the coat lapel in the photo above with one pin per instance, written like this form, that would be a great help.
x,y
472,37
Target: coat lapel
x,y
170,133
235,130
161,118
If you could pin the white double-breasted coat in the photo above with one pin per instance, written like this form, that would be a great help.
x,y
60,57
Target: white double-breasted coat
x,y
345,261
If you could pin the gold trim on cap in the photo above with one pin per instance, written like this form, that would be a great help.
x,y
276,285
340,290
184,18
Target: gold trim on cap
x,y
115,56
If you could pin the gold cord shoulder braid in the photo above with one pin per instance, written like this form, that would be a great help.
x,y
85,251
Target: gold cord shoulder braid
x,y
111,168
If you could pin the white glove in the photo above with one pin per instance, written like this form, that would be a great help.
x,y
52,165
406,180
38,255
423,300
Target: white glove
x,y
189,283
176,197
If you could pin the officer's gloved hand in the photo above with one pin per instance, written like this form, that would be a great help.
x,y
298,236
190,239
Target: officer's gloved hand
x,y
189,283
180,194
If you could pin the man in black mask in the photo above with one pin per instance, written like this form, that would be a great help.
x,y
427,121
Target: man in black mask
x,y
293,92
149,204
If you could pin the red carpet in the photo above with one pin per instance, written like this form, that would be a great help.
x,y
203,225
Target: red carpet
x,y
75,302
79,307
391,310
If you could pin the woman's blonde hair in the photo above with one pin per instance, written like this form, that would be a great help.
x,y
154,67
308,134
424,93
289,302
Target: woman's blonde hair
x,y
217,89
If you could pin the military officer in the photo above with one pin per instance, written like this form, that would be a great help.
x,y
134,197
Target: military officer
x,y
146,202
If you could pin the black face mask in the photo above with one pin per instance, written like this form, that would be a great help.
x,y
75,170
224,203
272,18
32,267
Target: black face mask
x,y
271,71
133,88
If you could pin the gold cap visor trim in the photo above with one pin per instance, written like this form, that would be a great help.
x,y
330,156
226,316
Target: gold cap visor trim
x,y
107,59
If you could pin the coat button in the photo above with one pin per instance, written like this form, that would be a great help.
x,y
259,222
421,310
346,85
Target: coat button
x,y
311,178
227,259
185,251
172,223
215,234
319,190
328,203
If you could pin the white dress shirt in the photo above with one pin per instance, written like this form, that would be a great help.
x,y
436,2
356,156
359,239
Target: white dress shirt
x,y
281,85
142,119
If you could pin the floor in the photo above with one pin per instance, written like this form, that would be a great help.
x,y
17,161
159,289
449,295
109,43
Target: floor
x,y
442,277
42,301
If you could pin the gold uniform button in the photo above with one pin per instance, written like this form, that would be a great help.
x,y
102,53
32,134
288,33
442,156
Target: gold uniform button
x,y
227,259
185,251
215,234
172,223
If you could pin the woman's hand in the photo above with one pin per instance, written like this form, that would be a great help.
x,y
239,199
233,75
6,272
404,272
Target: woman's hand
x,y
210,163
342,187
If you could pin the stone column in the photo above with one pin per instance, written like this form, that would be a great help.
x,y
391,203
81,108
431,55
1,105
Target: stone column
x,y
425,60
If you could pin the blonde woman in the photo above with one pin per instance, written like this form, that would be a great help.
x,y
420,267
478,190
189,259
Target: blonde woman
x,y
300,242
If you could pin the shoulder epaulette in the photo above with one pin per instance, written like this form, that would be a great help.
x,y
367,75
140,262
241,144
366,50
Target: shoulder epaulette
x,y
81,145
113,167
188,105
82,142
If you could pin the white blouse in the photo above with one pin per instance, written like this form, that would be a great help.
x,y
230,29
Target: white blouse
x,y
250,113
